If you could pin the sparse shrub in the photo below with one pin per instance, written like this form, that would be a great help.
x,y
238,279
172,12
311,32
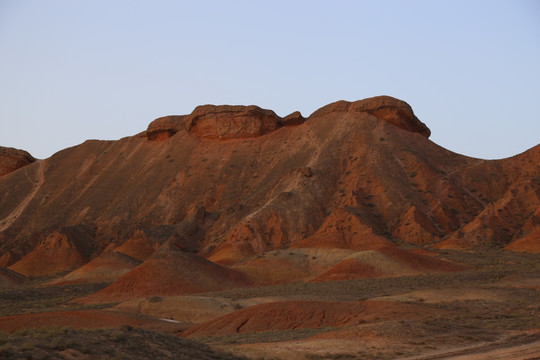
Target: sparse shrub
x,y
126,327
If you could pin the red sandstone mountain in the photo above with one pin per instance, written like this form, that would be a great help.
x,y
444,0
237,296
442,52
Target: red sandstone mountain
x,y
229,184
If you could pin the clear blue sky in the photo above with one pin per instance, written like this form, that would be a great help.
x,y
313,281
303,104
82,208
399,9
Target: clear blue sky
x,y
77,70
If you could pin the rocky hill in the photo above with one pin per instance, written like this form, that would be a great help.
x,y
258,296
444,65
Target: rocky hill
x,y
233,184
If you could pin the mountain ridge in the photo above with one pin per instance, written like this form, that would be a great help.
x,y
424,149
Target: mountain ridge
x,y
233,182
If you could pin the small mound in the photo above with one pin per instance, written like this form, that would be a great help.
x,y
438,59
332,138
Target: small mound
x,y
529,243
389,109
285,266
169,272
415,228
344,230
386,262
221,122
64,249
139,246
288,315
8,258
9,278
352,268
229,254
230,122
164,127
105,268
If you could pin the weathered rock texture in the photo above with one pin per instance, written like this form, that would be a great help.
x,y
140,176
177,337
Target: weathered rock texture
x,y
392,110
63,249
164,127
220,122
229,184
13,159
231,122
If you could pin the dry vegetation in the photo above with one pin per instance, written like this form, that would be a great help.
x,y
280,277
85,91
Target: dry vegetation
x,y
123,343
503,320
503,317
42,298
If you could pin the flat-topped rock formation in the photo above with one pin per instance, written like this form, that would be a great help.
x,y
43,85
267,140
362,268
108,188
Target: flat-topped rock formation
x,y
218,122
237,122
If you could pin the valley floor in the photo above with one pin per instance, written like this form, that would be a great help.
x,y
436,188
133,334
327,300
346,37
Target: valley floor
x,y
491,310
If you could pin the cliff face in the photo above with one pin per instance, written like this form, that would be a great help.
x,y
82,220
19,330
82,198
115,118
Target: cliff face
x,y
228,182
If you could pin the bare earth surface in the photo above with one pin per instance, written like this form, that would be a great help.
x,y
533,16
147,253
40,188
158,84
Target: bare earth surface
x,y
347,234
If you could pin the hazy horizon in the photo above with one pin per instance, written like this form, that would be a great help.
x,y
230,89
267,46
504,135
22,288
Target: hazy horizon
x,y
73,71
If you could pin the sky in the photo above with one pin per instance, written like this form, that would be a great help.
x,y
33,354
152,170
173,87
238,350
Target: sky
x,y
77,70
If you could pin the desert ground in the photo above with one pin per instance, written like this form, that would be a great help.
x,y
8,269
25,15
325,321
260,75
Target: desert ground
x,y
489,309
234,233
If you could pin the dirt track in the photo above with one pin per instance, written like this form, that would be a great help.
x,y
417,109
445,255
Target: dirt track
x,y
521,348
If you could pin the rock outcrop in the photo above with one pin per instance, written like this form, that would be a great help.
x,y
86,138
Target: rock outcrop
x,y
12,159
229,122
10,278
164,127
170,271
238,121
293,119
283,315
220,122
389,109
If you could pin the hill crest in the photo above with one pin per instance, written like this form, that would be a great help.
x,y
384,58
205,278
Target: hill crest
x,y
352,176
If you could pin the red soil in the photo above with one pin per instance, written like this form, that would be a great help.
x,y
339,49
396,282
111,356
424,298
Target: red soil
x,y
386,261
346,231
528,243
138,246
107,267
56,253
170,272
300,314
82,319
8,259
290,265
